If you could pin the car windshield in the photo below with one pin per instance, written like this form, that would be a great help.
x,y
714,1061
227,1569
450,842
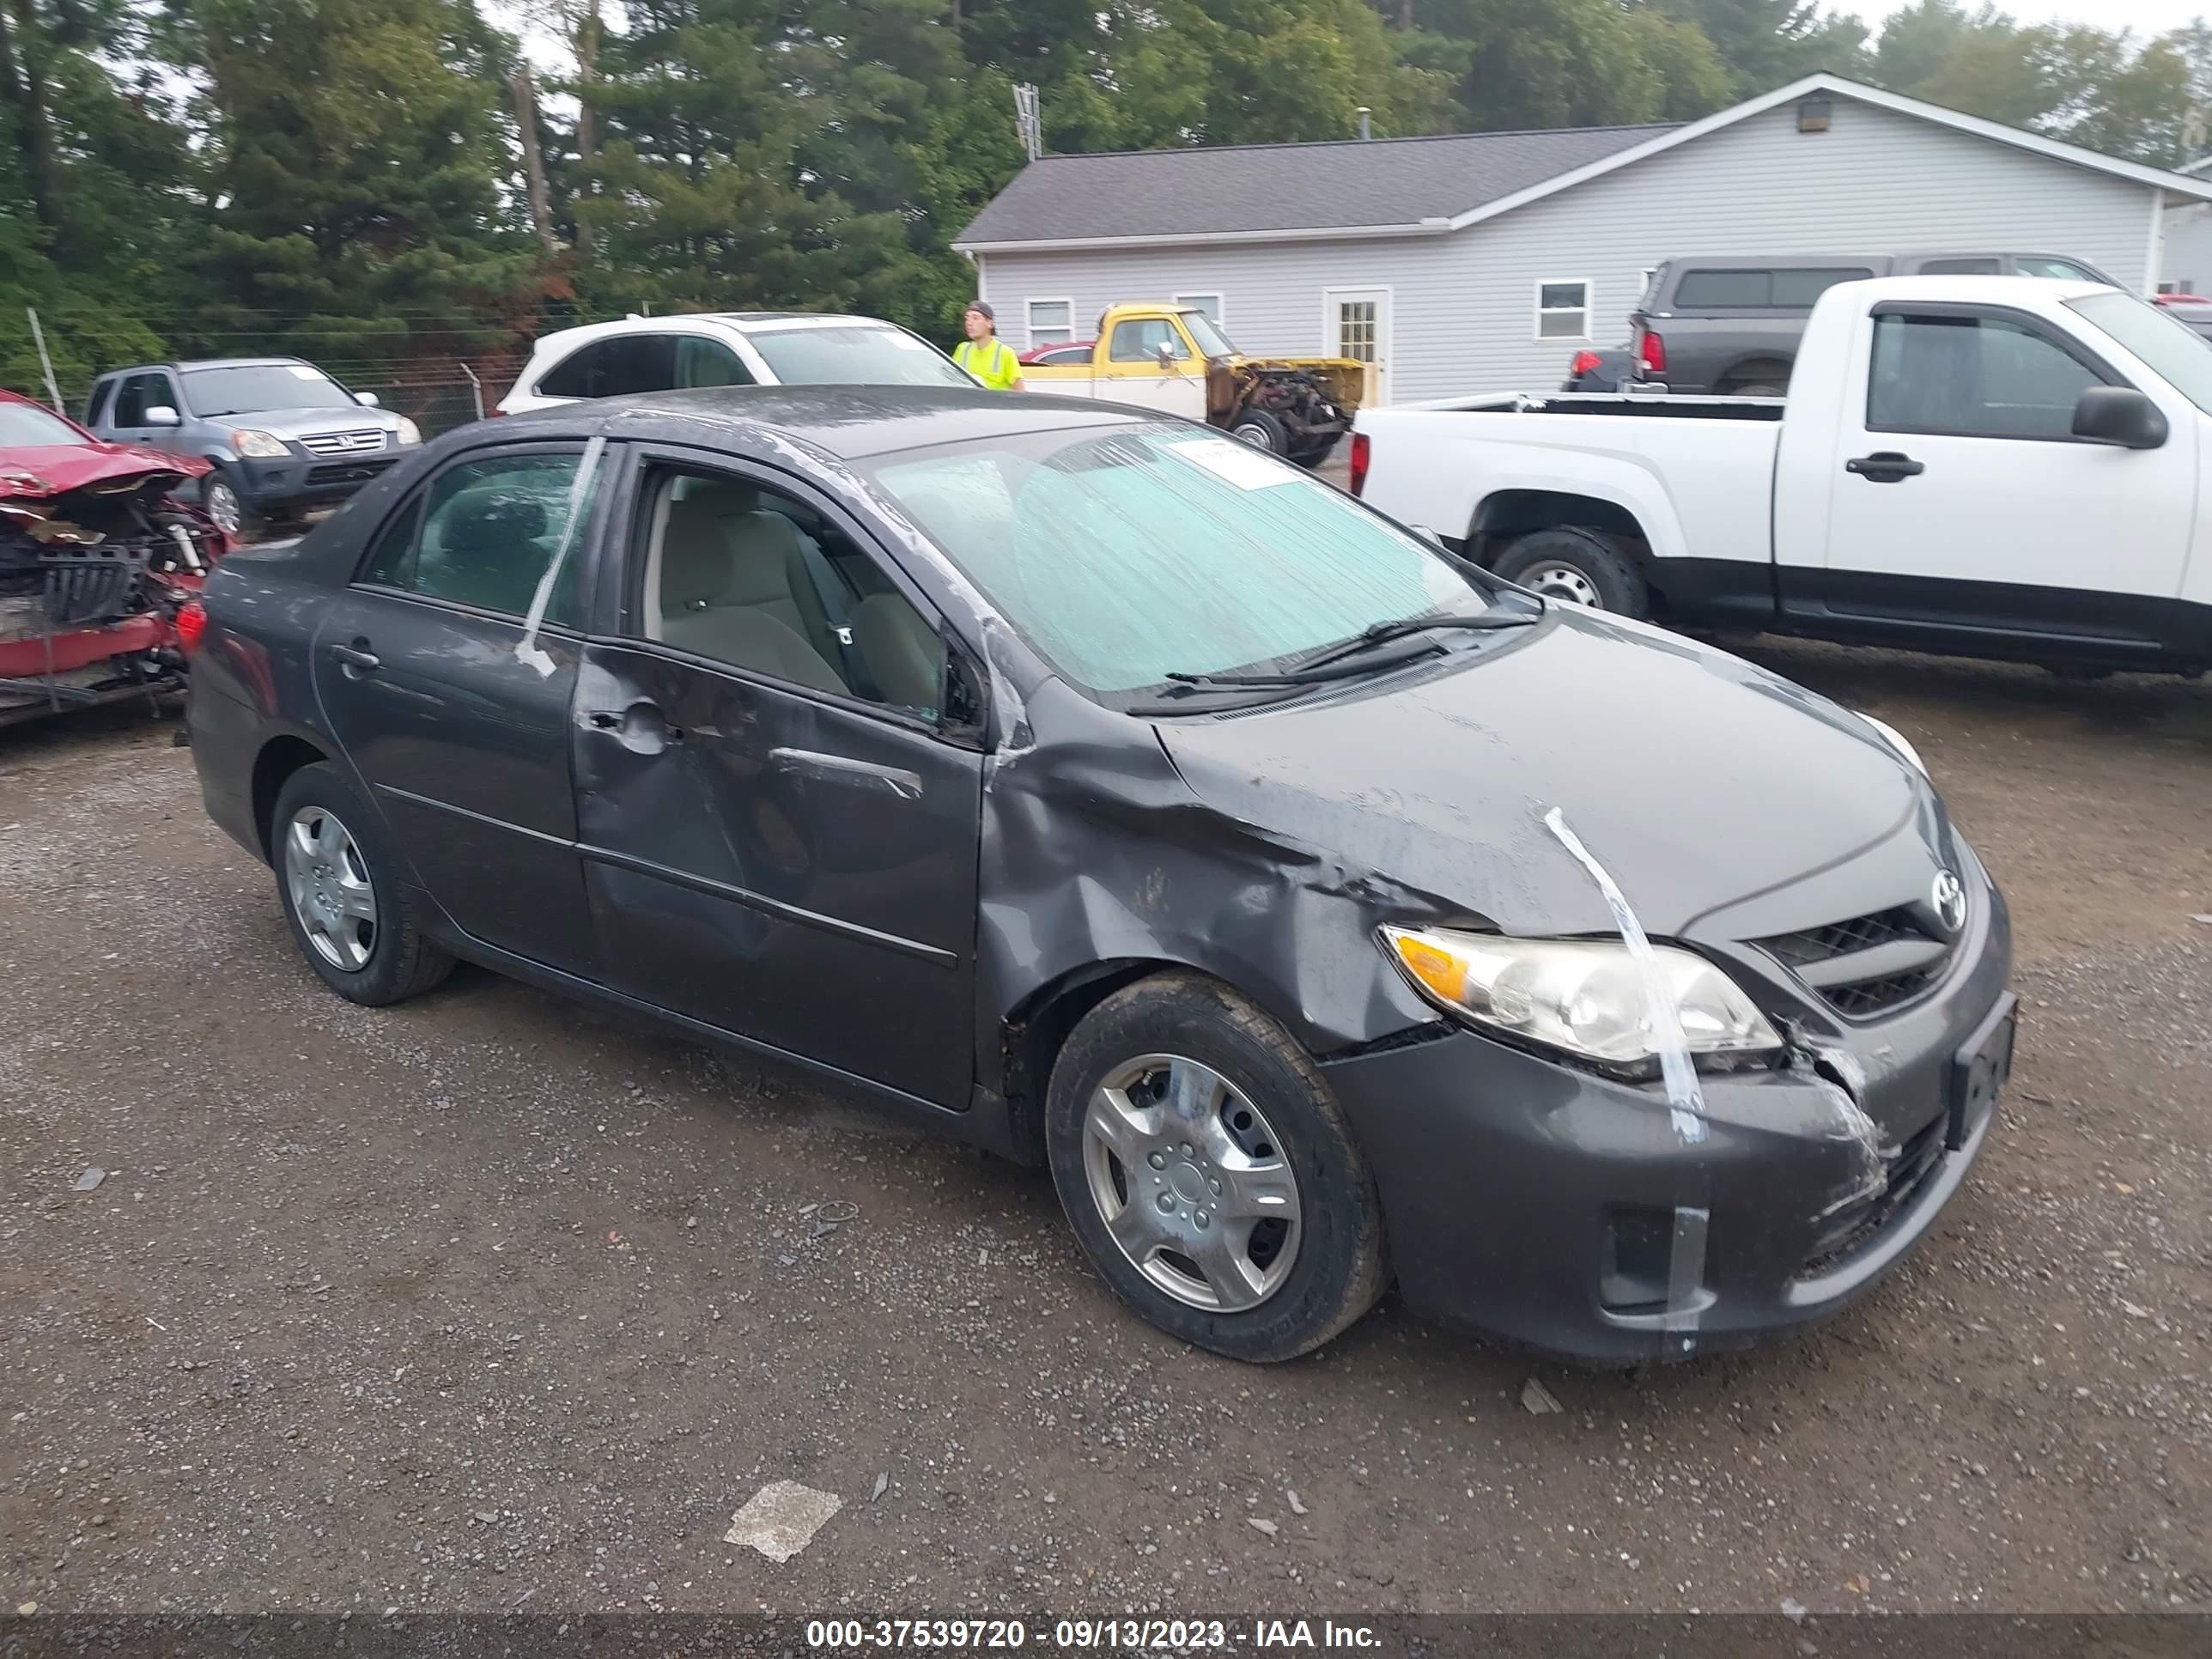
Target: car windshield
x,y
23,427
2169,345
213,391
1128,557
1206,336
842,354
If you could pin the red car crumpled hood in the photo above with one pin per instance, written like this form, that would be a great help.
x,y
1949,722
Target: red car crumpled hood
x,y
55,470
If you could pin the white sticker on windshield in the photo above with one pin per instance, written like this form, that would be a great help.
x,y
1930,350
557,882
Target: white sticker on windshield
x,y
906,343
1240,463
303,373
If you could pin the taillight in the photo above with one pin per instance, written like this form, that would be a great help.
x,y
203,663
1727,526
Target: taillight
x,y
1584,361
192,624
1360,458
1651,352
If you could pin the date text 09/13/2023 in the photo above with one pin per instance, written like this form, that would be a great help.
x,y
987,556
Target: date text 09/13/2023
x,y
1082,1634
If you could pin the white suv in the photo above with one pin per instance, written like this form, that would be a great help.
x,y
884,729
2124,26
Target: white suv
x,y
725,347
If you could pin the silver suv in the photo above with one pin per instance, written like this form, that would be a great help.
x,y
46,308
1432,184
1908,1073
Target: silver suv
x,y
284,435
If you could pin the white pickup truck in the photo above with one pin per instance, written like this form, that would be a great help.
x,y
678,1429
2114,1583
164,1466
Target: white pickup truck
x,y
1992,467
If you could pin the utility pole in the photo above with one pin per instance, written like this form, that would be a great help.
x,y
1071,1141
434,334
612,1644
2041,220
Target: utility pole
x,y
39,335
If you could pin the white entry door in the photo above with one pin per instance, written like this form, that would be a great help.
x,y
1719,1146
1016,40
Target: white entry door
x,y
1356,324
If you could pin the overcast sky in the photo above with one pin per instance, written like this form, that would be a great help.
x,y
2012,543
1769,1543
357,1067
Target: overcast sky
x,y
2145,17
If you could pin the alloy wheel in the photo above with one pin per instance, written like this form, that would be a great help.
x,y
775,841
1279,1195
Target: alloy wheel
x,y
1253,435
221,503
328,882
1192,1182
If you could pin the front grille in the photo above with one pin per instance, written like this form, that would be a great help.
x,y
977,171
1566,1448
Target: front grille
x,y
1866,965
344,443
1841,938
1861,1225
351,472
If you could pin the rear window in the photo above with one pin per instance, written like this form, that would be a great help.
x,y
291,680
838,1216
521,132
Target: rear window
x,y
842,354
1762,289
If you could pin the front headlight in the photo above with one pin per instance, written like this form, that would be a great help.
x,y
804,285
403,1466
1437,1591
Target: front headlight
x,y
1896,740
409,434
260,445
1586,998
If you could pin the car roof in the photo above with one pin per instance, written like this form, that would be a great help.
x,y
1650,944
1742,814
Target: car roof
x,y
210,362
2030,293
851,422
741,322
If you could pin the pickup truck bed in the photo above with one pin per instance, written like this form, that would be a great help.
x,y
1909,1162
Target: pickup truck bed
x,y
1995,466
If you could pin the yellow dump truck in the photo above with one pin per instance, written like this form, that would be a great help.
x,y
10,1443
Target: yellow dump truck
x,y
1174,359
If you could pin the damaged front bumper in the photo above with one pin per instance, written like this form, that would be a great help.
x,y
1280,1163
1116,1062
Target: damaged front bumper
x,y
1527,1199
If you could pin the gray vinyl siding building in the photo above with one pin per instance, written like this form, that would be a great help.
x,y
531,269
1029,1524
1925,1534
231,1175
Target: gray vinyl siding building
x,y
1457,293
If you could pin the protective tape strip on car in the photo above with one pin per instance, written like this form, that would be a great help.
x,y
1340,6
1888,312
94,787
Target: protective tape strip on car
x,y
526,649
1685,1102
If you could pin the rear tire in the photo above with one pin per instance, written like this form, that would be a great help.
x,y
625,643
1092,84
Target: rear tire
x,y
1755,390
1209,1173
1579,566
338,884
1262,430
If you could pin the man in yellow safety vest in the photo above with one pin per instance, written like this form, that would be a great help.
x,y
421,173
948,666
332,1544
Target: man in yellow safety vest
x,y
983,354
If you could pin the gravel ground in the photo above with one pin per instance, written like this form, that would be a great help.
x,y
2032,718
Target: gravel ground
x,y
492,1299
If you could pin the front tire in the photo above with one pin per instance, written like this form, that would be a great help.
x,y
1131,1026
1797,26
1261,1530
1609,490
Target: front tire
x,y
1209,1173
227,505
1262,430
352,918
1579,566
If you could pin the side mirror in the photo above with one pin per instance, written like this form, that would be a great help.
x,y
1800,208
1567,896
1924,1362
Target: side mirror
x,y
1166,354
367,399
162,414
2119,415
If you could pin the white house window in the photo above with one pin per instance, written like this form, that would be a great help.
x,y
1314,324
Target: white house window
x,y
1563,310
1208,303
1051,322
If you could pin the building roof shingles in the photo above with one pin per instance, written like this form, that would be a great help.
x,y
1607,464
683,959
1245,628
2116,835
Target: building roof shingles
x,y
1284,187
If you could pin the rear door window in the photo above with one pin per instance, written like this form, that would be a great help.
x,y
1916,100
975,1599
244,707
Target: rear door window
x,y
485,531
96,407
1958,268
614,367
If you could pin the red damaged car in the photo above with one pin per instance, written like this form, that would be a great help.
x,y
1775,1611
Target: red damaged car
x,y
96,561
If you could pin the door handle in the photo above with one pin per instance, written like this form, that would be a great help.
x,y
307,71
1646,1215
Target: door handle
x,y
1885,466
641,720
356,659
840,769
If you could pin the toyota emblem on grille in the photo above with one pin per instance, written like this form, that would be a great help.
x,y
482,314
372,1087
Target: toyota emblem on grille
x,y
1950,897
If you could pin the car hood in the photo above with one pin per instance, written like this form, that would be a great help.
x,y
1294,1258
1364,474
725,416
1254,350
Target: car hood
x,y
50,470
1700,781
306,422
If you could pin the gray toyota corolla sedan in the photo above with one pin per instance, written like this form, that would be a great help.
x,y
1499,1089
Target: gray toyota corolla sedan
x,y
1321,911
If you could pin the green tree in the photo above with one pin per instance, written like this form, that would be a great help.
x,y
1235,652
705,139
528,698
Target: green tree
x,y
365,179
1768,43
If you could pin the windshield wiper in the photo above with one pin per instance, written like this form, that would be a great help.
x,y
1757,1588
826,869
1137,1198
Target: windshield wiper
x,y
1383,633
1311,674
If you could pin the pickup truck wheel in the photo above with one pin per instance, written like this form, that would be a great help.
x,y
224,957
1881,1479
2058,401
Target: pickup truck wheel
x,y
1209,1173
1257,427
1580,566
1756,389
